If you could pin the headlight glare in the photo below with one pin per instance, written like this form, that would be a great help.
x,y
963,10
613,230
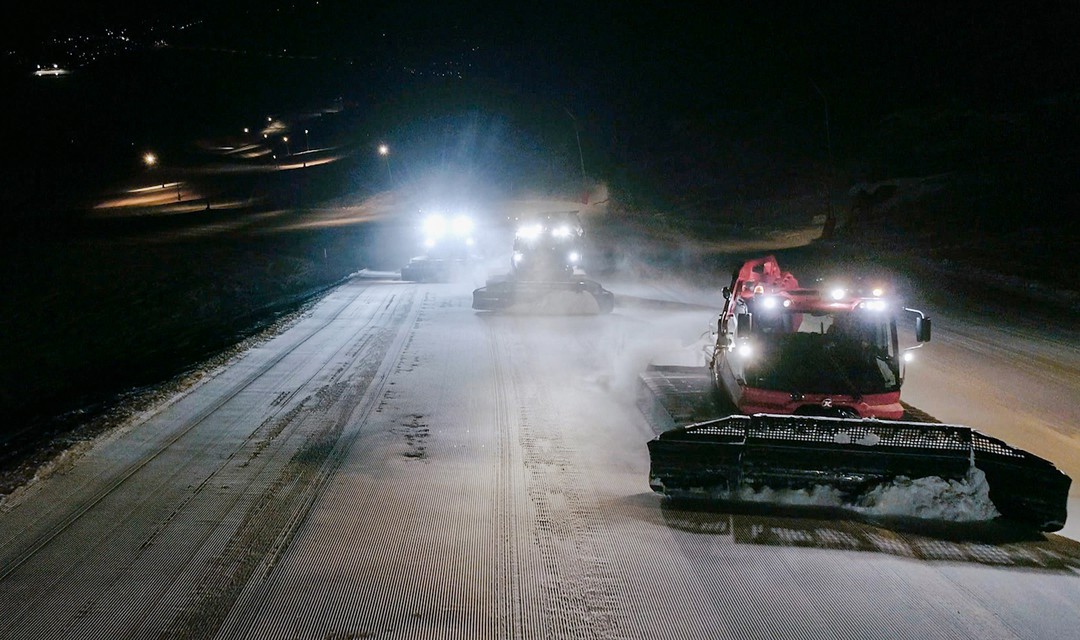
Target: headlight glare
x,y
462,226
530,231
434,226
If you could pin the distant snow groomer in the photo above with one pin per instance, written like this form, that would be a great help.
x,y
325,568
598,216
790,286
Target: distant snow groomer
x,y
809,396
546,274
448,241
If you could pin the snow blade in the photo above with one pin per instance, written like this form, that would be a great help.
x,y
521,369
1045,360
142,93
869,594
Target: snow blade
x,y
715,459
430,270
570,297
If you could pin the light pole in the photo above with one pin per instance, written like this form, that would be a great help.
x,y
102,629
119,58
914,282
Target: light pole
x,y
150,160
578,137
830,216
384,151
285,139
307,142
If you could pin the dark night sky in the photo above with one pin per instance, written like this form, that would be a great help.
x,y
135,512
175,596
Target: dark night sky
x,y
730,54
656,77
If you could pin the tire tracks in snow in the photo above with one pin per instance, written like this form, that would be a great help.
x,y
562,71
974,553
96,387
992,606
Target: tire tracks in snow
x,y
568,535
307,476
508,501
252,535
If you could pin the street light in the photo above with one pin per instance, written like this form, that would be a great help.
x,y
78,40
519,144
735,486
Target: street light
x,y
578,137
150,159
307,142
830,215
384,151
285,139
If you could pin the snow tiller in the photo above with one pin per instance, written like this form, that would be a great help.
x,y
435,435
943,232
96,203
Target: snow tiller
x,y
546,275
717,459
813,376
564,297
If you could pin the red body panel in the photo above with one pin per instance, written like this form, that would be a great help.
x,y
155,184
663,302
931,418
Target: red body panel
x,y
764,276
885,406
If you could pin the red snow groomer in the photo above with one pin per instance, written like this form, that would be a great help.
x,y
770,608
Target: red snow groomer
x,y
825,351
802,390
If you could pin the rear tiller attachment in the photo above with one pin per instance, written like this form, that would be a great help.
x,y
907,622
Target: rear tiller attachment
x,y
715,459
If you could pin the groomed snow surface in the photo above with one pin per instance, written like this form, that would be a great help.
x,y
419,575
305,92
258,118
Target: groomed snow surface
x,y
397,465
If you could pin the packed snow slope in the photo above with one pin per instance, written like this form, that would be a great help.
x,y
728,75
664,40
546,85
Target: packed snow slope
x,y
394,464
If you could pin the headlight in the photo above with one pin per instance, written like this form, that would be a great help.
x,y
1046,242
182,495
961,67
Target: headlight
x,y
561,231
518,256
573,257
874,305
745,350
434,226
462,226
838,294
530,231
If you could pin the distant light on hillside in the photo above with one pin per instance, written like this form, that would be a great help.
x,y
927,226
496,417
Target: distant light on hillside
x,y
54,70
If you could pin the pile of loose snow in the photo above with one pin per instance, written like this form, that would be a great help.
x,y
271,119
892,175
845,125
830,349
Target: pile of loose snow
x,y
966,500
931,498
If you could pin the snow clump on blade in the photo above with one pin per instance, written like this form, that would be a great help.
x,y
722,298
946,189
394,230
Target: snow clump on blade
x,y
930,498
817,496
966,500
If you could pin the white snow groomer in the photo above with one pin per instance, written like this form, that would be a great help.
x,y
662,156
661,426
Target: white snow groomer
x,y
546,274
448,242
802,391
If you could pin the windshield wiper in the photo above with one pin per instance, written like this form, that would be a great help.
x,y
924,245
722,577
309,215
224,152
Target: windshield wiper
x,y
852,388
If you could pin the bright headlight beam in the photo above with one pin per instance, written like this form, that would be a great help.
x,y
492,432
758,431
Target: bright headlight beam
x,y
530,231
462,225
434,226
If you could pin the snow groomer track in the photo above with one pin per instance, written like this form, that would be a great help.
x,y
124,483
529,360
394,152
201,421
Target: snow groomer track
x,y
396,465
